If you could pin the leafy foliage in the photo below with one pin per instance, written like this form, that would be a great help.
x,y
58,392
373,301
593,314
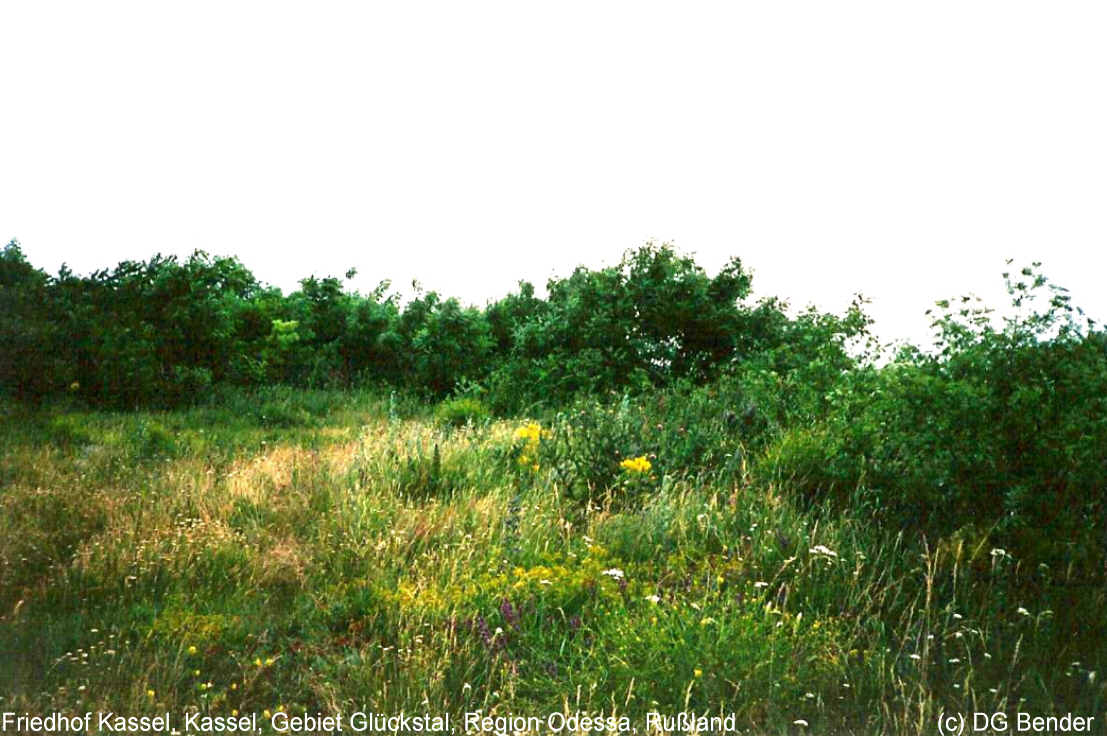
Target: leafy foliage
x,y
164,332
462,411
1001,426
653,319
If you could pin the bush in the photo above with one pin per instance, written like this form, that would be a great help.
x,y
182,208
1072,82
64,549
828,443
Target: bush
x,y
150,440
462,411
66,430
653,318
692,432
279,415
1002,427
163,332
591,440
810,463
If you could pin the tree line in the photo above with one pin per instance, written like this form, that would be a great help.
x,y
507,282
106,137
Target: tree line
x,y
161,332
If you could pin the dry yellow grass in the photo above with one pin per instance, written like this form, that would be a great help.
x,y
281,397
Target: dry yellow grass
x,y
256,478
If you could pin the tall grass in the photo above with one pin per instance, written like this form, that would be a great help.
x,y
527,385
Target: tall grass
x,y
326,551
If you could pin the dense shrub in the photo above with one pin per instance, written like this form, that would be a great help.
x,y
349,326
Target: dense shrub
x,y
460,411
150,440
591,441
709,431
653,319
1002,427
165,332
65,430
684,432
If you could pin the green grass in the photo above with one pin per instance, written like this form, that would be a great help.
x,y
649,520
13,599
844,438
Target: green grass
x,y
321,551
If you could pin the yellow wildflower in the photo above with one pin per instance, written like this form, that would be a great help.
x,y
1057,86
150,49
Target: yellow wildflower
x,y
531,432
192,650
636,465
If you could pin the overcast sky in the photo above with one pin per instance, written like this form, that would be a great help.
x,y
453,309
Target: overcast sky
x,y
904,150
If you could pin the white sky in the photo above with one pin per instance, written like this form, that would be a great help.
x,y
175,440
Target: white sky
x,y
899,149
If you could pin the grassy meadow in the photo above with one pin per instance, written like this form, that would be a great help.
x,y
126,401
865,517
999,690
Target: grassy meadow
x,y
327,551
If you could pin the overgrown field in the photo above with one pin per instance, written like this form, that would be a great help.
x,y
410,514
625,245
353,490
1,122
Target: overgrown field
x,y
645,491
325,551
